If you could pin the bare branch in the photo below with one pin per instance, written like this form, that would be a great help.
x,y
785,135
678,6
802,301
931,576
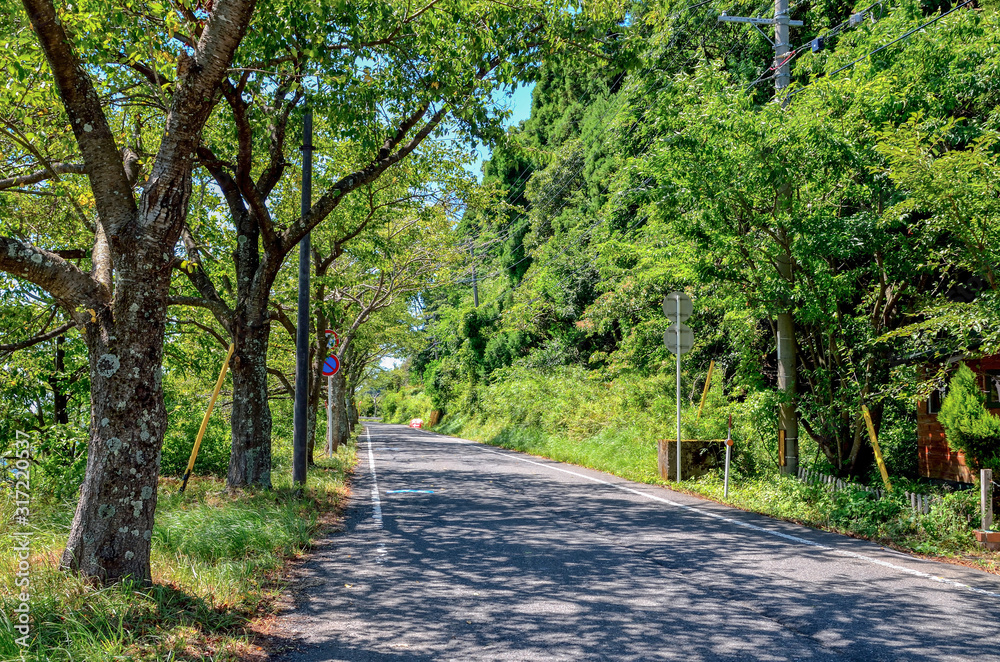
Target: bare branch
x,y
281,378
44,174
198,302
204,327
196,273
22,344
280,316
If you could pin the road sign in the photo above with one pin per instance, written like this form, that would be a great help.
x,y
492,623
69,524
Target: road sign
x,y
336,339
331,366
674,301
686,340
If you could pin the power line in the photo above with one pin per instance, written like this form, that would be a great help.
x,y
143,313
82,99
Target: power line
x,y
898,39
512,226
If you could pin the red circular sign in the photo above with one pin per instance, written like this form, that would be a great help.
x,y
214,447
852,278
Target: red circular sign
x,y
331,366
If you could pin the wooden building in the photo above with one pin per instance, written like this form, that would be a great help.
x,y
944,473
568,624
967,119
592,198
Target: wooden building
x,y
936,459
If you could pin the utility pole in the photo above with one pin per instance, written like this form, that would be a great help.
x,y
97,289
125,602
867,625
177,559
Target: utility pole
x,y
475,286
788,420
302,330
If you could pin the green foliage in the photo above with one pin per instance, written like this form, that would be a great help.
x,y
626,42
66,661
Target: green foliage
x,y
60,459
213,456
215,558
970,427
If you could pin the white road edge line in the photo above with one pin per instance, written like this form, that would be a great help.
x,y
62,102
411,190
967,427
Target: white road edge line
x,y
376,503
745,525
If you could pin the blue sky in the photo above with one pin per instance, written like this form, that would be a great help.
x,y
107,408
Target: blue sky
x,y
520,103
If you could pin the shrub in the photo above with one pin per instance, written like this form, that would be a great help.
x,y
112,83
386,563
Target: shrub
x,y
59,453
213,456
969,426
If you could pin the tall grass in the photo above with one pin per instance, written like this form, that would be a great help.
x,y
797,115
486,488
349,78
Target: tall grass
x,y
216,560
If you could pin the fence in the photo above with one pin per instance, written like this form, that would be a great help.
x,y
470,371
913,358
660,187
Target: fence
x,y
919,502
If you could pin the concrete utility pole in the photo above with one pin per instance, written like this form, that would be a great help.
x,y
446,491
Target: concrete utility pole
x,y
788,421
302,330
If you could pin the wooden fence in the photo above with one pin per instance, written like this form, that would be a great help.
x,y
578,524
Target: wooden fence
x,y
919,502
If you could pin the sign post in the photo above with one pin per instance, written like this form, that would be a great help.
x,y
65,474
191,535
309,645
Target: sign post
x,y
729,449
679,339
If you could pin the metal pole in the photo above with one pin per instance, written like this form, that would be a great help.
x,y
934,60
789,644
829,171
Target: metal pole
x,y
729,448
329,415
302,331
678,324
986,498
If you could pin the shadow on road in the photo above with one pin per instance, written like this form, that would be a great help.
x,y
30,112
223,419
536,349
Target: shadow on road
x,y
510,561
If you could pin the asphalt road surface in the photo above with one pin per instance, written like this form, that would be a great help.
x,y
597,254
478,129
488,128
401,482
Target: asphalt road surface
x,y
458,551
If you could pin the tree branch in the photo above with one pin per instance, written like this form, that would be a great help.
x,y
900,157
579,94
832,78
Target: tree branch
x,y
284,380
204,327
383,160
112,193
195,271
198,302
44,174
73,288
49,335
279,315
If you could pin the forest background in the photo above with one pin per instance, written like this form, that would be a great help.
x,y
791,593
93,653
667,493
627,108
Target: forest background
x,y
672,165
524,305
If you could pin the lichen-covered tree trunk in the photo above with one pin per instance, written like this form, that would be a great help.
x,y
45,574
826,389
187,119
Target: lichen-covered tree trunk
x,y
250,460
316,404
113,524
352,409
311,426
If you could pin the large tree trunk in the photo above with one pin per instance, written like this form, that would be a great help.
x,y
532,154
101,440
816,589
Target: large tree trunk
x,y
113,525
340,430
311,426
352,409
250,459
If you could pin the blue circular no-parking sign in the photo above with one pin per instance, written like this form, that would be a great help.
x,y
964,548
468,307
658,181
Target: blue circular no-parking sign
x,y
331,366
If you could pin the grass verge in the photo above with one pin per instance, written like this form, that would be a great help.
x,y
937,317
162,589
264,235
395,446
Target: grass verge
x,y
217,561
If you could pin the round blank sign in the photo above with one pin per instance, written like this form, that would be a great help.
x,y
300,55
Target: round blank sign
x,y
686,339
677,306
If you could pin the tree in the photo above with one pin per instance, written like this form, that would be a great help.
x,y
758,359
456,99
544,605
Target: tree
x,y
441,62
406,243
968,425
121,303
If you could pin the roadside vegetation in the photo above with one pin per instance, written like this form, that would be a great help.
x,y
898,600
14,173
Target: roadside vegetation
x,y
565,417
217,557
858,211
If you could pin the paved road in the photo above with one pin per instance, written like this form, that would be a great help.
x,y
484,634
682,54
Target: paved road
x,y
512,557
